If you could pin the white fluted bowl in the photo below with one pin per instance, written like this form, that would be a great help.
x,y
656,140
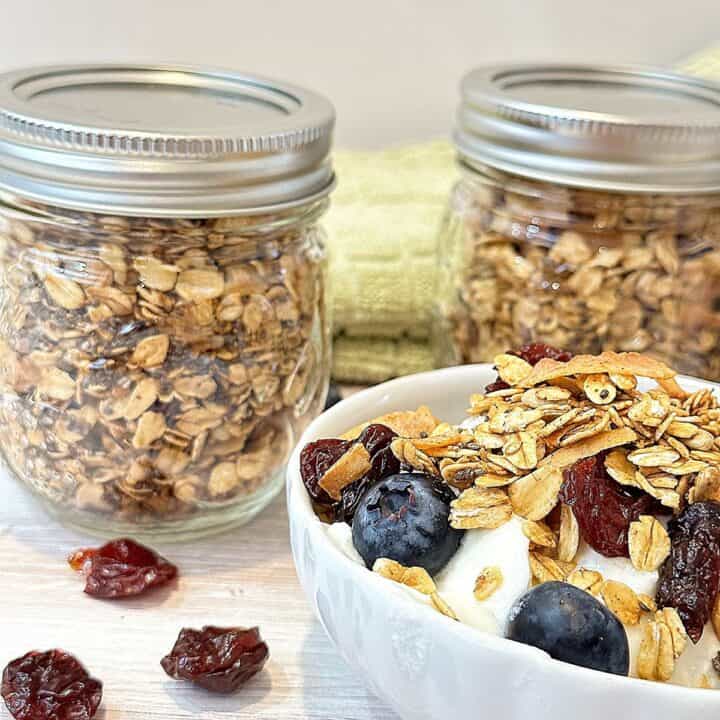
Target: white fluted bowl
x,y
419,662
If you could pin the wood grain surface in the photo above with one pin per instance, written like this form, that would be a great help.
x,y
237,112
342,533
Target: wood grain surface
x,y
245,577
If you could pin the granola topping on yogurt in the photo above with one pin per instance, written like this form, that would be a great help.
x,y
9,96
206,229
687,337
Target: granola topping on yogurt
x,y
595,478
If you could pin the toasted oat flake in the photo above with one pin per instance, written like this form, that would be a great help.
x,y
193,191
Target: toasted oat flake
x,y
649,543
546,569
536,494
476,507
539,534
487,582
511,368
622,601
416,578
569,536
442,607
589,580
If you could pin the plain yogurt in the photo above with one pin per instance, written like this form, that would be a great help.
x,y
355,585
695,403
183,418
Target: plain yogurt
x,y
507,548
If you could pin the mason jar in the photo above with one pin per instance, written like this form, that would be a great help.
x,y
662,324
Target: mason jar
x,y
163,325
586,216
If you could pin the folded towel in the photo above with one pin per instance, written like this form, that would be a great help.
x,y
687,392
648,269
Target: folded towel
x,y
369,360
382,232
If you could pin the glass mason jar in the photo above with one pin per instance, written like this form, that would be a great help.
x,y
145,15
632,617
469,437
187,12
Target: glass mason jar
x,y
163,350
585,230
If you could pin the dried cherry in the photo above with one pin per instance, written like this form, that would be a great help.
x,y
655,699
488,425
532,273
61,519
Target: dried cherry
x,y
217,659
316,459
689,580
50,685
121,568
603,508
532,353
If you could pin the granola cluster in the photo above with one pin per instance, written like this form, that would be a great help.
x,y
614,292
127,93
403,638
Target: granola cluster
x,y
156,369
584,270
515,455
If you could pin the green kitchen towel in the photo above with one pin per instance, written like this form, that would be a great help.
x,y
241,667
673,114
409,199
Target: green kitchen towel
x,y
382,232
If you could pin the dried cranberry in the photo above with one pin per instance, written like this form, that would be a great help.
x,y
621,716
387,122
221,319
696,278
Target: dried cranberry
x,y
690,577
217,659
50,685
603,508
533,354
376,438
316,459
121,568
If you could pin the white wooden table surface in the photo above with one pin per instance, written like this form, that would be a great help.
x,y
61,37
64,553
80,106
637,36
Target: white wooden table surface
x,y
243,578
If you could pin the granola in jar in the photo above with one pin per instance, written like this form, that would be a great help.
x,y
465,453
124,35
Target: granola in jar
x,y
160,354
606,241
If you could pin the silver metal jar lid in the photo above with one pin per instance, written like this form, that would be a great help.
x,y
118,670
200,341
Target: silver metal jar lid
x,y
162,140
610,128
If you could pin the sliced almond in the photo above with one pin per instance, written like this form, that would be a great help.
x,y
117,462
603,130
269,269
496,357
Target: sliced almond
x,y
569,455
351,466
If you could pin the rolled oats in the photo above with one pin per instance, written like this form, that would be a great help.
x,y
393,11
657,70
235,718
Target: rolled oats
x,y
589,580
569,536
156,369
663,641
538,533
487,582
487,508
649,543
622,601
524,262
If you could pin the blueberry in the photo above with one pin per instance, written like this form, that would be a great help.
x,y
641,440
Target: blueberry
x,y
404,517
572,626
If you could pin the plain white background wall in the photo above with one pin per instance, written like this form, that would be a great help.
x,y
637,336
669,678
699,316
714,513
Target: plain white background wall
x,y
390,66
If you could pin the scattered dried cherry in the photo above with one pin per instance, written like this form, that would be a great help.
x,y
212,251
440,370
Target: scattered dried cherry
x,y
532,353
217,659
603,508
689,579
121,568
50,685
316,459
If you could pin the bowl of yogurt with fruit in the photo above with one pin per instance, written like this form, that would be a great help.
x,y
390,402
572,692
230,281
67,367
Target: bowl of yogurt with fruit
x,y
539,536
